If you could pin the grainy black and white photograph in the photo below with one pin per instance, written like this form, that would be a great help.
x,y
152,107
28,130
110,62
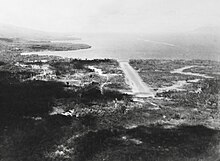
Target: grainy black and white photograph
x,y
109,80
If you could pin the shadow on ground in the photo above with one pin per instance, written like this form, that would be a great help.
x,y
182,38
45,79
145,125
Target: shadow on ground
x,y
186,143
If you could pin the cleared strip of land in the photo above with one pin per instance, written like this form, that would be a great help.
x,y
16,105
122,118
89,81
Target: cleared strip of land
x,y
139,88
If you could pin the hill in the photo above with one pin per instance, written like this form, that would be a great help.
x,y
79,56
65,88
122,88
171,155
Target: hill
x,y
11,31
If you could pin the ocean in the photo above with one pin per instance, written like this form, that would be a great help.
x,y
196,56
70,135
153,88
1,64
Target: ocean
x,y
144,46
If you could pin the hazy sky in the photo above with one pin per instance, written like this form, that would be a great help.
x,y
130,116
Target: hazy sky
x,y
111,15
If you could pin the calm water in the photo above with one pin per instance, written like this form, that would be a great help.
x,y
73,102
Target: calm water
x,y
137,46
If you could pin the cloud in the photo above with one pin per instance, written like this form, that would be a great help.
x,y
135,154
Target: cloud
x,y
110,15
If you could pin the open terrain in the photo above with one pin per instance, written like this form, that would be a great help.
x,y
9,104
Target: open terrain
x,y
55,108
70,109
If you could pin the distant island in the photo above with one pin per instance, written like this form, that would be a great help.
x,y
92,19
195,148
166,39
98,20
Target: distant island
x,y
11,48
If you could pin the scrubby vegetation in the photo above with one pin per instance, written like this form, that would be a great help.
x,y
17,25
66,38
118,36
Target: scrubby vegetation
x,y
92,120
32,98
157,74
77,64
208,97
28,131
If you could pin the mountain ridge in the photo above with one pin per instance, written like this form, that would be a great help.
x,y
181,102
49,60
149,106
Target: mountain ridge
x,y
11,31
